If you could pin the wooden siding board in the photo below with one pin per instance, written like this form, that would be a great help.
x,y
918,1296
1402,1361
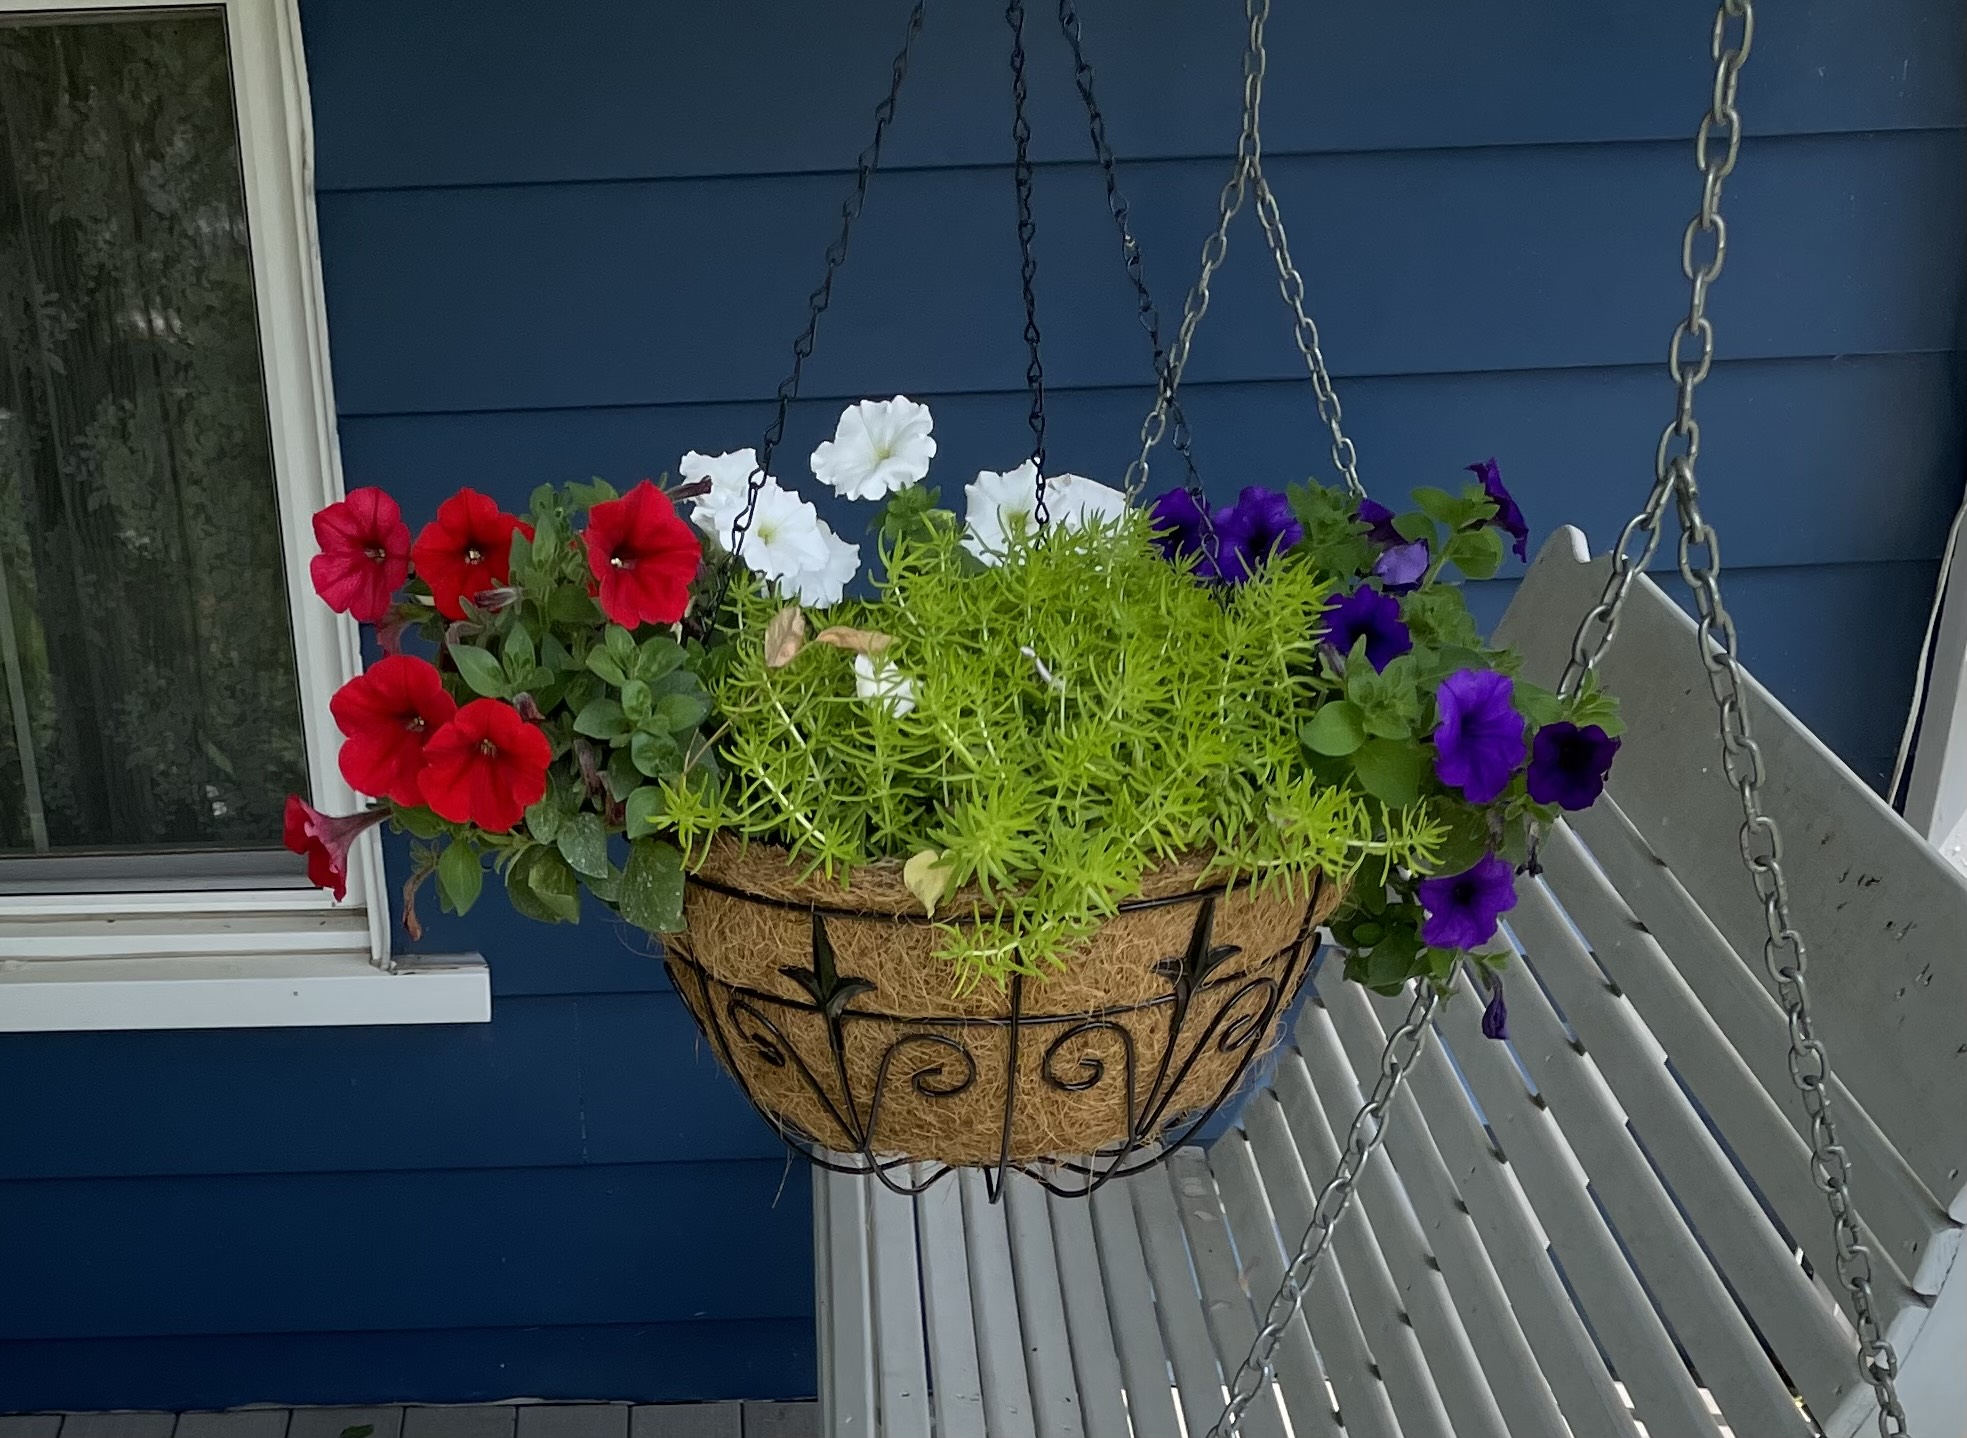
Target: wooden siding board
x,y
333,1422
307,1253
630,293
609,90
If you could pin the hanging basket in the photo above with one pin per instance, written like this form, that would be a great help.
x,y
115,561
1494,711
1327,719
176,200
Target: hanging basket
x,y
831,1008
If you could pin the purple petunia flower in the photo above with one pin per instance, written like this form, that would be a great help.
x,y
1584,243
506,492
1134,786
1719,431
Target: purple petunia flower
x,y
1495,1013
1181,528
1401,567
1378,520
1509,519
1568,765
1259,525
1367,614
1462,909
1478,742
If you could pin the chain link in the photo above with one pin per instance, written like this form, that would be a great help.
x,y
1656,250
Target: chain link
x,y
836,255
1034,373
1703,252
1403,1047
1247,180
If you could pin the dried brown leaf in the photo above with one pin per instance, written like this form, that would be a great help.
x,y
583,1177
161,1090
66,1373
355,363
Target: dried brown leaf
x,y
785,636
860,641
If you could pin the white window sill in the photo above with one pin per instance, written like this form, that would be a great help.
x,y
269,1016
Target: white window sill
x,y
268,990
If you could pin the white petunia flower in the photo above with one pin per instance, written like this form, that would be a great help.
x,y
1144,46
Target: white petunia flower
x,y
880,680
1001,506
827,584
729,475
880,446
784,537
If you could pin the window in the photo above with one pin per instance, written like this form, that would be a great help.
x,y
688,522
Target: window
x,y
165,434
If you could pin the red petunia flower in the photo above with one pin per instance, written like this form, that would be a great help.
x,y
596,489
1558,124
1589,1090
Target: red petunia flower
x,y
466,550
485,766
325,839
365,554
388,714
643,557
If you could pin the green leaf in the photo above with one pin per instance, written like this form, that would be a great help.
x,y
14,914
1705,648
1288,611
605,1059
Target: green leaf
x,y
636,701
1537,704
519,892
359,1430
592,492
643,813
606,887
602,719
622,776
1337,728
552,882
583,843
572,605
1414,526
606,666
520,556
655,754
657,655
479,670
460,876
652,887
420,823
521,659
1438,616
544,818
1439,505
1478,553
556,655
677,712
1391,770
621,644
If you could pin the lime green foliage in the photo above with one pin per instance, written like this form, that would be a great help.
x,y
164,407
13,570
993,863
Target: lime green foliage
x,y
1082,712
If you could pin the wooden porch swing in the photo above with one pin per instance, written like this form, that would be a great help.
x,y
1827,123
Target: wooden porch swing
x,y
1615,1220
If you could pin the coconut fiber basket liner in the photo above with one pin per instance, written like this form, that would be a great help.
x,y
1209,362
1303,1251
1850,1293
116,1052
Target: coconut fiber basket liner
x,y
830,1007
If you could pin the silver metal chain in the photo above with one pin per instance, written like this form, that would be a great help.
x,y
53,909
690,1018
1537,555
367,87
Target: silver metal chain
x,y
1783,953
1246,180
1403,1047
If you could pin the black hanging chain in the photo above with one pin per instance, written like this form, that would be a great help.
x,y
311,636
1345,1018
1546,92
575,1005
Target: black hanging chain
x,y
1130,249
816,303
1034,373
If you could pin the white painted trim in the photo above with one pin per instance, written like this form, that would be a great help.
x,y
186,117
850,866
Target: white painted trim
x,y
260,990
276,144
1936,790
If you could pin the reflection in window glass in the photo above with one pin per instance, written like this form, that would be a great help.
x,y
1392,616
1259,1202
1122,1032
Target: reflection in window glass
x,y
149,698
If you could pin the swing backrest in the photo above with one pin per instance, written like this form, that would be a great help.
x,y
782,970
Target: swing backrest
x,y
1591,1227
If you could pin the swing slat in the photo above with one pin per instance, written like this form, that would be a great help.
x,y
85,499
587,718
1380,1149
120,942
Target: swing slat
x,y
1500,1270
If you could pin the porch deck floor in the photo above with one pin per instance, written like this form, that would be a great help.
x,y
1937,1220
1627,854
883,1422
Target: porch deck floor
x,y
478,1420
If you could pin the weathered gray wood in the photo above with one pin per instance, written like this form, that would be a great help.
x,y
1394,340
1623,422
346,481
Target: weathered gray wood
x,y
955,1386
1690,1293
29,1425
1232,1329
475,1420
1055,1402
1798,1319
120,1425
1177,1304
786,1420
994,1296
242,1423
1095,1358
333,1422
1656,1382
1894,1202
573,1420
843,1272
1423,1293
1253,1224
1881,911
1502,1356
686,1420
1501,1212
900,1361
1130,1311
1374,1297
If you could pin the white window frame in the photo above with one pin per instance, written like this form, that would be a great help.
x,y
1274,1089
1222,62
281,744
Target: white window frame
x,y
272,956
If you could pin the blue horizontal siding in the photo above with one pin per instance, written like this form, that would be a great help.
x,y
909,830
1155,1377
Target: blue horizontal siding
x,y
1419,263
1576,445
501,90
348,1252
645,1362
